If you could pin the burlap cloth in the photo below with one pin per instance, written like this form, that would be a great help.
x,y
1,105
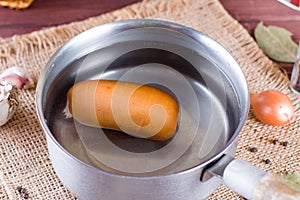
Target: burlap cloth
x,y
24,158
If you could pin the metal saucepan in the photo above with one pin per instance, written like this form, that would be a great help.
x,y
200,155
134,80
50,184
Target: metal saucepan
x,y
210,87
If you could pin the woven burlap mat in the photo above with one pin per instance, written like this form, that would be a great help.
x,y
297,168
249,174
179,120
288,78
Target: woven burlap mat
x,y
24,158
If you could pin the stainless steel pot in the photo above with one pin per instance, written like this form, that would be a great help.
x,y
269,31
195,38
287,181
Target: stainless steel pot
x,y
206,80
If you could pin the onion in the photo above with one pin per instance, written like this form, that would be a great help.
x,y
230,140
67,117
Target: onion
x,y
272,107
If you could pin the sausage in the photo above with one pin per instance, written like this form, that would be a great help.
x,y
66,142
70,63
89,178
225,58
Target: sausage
x,y
139,110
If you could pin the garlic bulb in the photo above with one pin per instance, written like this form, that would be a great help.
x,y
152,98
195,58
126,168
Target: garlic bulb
x,y
18,77
8,101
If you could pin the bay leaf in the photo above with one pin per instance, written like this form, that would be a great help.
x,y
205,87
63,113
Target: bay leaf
x,y
276,42
292,179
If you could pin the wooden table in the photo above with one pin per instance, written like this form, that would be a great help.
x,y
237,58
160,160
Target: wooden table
x,y
45,13
271,12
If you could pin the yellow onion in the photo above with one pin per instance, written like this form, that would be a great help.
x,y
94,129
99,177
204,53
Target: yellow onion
x,y
272,107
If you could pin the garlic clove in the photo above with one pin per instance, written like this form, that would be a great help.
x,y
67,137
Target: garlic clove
x,y
8,101
4,114
14,70
18,77
14,80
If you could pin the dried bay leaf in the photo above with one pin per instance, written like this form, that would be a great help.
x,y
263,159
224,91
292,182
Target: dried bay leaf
x,y
276,42
292,179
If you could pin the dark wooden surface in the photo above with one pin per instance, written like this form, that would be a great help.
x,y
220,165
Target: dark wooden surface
x,y
271,12
45,13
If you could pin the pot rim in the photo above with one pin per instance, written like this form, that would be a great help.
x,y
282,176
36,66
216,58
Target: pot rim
x,y
197,36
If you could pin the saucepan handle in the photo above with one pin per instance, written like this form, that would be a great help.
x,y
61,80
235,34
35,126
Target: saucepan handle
x,y
251,182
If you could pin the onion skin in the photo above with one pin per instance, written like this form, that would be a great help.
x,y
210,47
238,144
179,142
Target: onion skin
x,y
272,107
